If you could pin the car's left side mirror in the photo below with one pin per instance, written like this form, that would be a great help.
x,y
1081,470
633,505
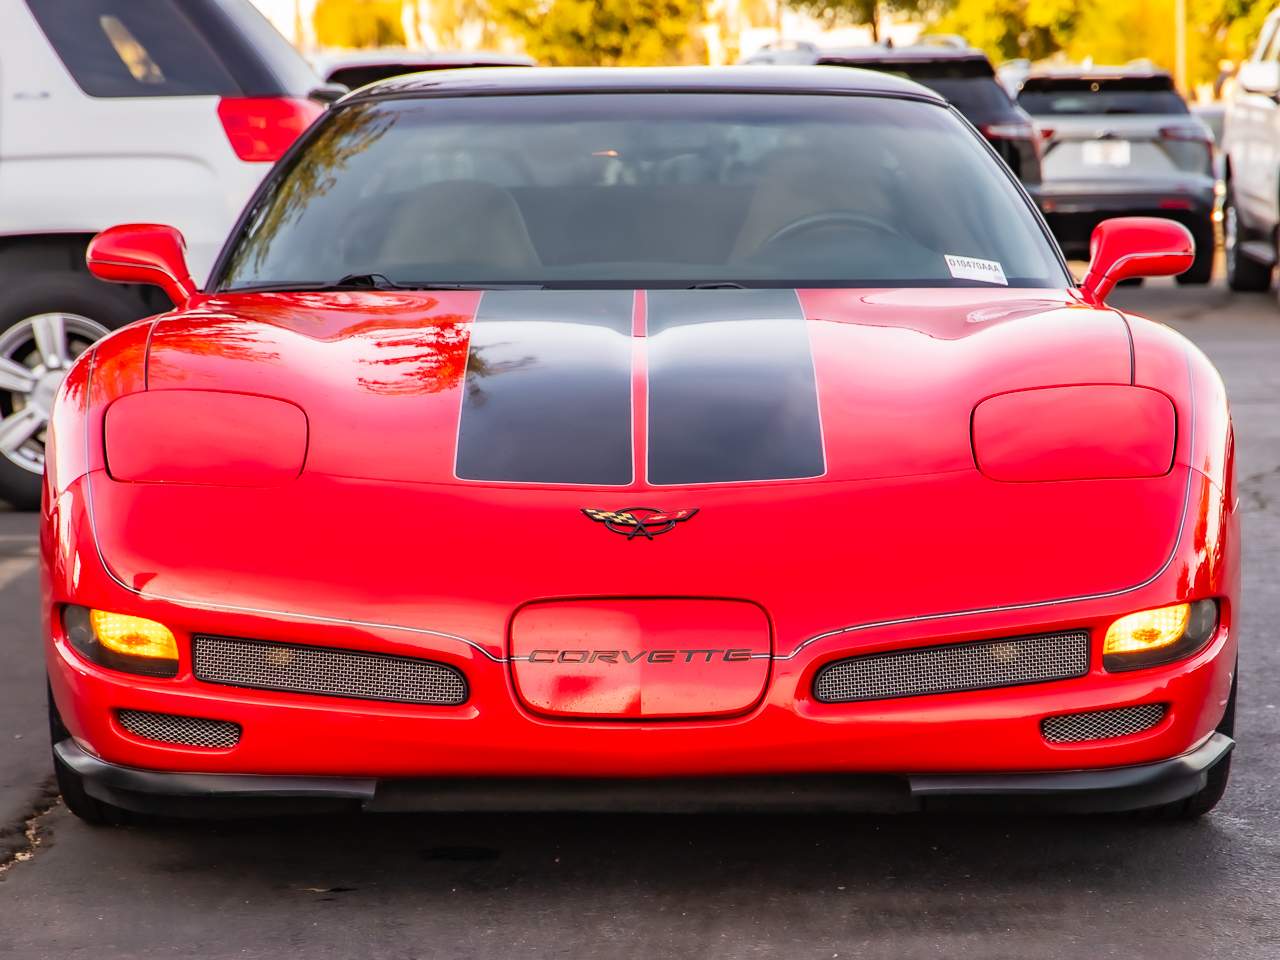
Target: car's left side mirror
x,y
1125,248
143,253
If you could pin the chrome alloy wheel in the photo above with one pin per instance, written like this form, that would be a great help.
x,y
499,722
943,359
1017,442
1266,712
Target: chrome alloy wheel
x,y
35,354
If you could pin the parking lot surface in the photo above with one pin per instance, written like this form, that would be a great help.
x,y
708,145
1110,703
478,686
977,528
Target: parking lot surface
x,y
666,886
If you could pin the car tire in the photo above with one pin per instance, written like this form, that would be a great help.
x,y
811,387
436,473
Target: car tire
x,y
1243,275
1201,271
71,785
1206,798
70,309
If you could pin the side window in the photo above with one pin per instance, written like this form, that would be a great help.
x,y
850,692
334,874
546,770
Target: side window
x,y
132,48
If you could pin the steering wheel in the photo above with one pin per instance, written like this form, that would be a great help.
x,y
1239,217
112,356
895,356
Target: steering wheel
x,y
822,221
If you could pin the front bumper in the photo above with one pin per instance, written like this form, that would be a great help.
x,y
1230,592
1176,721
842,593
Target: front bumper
x,y
1112,789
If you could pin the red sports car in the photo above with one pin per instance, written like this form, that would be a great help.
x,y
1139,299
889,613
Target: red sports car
x,y
641,438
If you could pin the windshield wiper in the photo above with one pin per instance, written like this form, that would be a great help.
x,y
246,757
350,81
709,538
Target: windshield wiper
x,y
717,285
370,281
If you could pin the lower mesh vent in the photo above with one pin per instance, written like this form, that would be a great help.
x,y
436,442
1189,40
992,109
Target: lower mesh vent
x,y
949,669
1102,724
325,671
188,731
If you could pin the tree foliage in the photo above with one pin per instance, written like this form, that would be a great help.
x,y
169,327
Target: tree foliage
x,y
836,13
1109,31
604,32
359,23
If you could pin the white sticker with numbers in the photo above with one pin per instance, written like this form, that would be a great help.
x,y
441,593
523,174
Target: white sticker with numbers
x,y
971,268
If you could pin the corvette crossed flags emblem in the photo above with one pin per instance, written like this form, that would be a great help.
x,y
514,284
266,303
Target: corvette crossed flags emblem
x,y
647,522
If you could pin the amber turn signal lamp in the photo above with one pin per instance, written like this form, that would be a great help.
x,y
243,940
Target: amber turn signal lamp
x,y
134,636
1151,637
122,642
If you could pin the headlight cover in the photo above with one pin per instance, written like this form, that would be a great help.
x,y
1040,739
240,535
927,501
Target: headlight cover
x,y
205,436
120,641
1161,635
1086,432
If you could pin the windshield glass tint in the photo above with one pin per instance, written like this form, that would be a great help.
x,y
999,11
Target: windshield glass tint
x,y
633,190
1085,96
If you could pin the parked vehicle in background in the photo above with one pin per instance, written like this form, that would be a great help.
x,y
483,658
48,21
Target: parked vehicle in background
x,y
1214,116
961,74
153,110
1251,206
1011,73
356,68
1120,141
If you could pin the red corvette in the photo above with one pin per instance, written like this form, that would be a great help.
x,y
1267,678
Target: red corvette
x,y
641,438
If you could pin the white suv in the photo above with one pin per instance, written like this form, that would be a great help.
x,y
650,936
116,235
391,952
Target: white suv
x,y
1251,145
117,111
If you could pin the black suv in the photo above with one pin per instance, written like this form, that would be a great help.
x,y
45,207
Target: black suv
x,y
961,74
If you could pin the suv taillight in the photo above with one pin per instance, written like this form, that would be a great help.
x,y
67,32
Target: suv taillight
x,y
1008,131
1194,134
1190,134
261,129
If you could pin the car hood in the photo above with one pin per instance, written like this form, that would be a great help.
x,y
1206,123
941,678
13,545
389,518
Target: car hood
x,y
622,388
465,452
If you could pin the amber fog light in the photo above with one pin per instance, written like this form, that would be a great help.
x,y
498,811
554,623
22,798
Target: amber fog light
x,y
122,642
1151,637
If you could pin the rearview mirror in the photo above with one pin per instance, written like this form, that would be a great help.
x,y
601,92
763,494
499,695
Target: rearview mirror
x,y
143,253
1260,77
1125,248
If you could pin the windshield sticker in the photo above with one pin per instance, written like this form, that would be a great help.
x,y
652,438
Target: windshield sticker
x,y
971,268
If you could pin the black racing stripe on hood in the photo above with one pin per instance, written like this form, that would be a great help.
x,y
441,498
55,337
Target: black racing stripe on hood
x,y
732,391
547,397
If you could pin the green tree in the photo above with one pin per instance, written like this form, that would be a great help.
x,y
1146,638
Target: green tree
x,y
358,23
835,13
604,32
1109,31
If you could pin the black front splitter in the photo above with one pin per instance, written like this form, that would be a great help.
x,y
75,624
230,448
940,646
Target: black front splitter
x,y
1112,789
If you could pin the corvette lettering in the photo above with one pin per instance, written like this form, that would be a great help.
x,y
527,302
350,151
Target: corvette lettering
x,y
709,655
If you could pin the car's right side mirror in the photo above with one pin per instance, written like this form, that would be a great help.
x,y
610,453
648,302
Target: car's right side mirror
x,y
149,253
1260,76
1125,248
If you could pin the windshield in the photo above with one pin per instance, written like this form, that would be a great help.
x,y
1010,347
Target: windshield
x,y
643,190
1140,95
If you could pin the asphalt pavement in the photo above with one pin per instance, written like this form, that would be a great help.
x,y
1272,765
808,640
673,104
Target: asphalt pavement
x,y
669,886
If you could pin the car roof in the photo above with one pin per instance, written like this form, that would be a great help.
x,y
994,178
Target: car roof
x,y
489,81
1077,72
918,53
328,62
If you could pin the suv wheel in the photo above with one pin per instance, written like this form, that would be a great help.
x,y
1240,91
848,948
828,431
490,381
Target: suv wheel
x,y
1243,274
1201,271
46,321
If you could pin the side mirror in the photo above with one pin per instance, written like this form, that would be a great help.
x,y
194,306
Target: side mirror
x,y
143,253
328,93
1125,248
1260,76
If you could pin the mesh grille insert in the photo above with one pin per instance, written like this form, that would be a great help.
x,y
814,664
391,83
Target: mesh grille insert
x,y
1102,724
188,731
326,671
956,667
